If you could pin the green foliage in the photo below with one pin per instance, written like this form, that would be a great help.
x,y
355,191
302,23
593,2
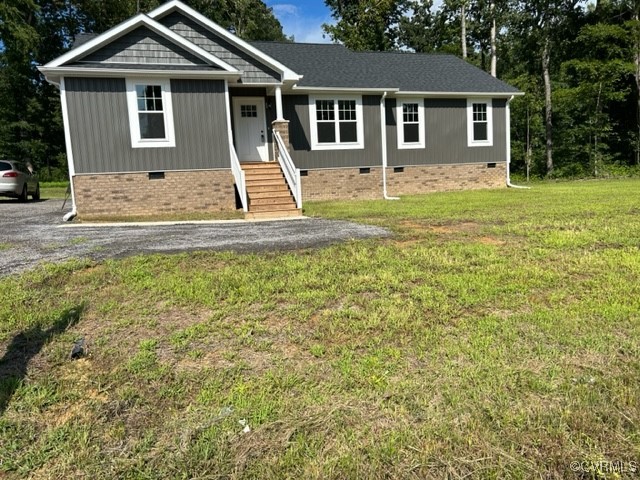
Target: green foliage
x,y
593,82
365,24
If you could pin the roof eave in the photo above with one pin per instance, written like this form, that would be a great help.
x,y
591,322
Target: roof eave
x,y
344,89
54,74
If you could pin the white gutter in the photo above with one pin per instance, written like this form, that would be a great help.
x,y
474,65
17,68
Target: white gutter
x,y
342,89
383,141
427,94
508,128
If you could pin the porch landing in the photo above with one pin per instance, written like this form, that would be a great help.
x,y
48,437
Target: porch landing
x,y
268,194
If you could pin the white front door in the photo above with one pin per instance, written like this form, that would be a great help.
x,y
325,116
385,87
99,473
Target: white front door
x,y
250,129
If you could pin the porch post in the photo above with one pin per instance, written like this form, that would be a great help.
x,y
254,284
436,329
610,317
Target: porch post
x,y
282,127
279,116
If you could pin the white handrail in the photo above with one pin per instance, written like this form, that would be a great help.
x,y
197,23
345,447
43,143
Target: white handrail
x,y
291,173
238,174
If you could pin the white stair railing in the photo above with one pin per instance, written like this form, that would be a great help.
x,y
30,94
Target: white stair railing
x,y
238,174
291,173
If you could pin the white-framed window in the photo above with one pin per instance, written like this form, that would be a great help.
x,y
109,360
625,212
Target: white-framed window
x,y
410,115
150,113
336,123
479,122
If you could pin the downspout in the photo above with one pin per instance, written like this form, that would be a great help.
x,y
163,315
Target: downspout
x,y
67,134
383,141
508,128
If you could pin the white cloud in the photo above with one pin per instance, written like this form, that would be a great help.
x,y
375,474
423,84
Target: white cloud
x,y
305,28
282,9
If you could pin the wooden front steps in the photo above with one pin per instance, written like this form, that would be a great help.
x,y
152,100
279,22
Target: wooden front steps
x,y
267,191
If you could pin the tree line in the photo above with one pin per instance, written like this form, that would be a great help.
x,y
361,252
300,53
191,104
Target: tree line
x,y
577,62
34,32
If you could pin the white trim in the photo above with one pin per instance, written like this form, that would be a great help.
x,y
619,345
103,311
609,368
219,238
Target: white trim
x,y
236,169
357,145
507,122
67,139
67,130
228,106
402,145
130,25
52,73
278,95
459,94
287,73
167,112
470,140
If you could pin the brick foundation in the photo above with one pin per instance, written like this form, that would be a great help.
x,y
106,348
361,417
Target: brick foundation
x,y
134,194
442,178
342,184
350,184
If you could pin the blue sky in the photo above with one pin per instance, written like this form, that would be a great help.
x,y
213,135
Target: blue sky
x,y
304,19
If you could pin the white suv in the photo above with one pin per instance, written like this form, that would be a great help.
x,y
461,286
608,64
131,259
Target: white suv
x,y
18,181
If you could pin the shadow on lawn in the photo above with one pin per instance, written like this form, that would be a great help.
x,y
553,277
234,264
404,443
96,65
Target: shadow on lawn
x,y
26,345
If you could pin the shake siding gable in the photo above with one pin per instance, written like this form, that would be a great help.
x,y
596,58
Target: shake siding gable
x,y
101,139
143,46
253,70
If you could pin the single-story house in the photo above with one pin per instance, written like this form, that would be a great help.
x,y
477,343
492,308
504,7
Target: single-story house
x,y
169,112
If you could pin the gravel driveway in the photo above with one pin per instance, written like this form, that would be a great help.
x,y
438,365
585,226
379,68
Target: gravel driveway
x,y
34,232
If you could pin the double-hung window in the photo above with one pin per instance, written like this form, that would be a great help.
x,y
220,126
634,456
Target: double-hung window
x,y
336,123
410,114
479,123
150,113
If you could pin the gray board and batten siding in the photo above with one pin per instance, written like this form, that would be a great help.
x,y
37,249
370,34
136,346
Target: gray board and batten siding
x,y
296,110
143,46
101,138
446,135
253,70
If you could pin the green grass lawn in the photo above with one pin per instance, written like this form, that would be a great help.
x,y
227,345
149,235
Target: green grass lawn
x,y
53,189
495,335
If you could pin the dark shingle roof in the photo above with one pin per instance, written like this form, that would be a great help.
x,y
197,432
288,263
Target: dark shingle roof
x,y
82,38
332,65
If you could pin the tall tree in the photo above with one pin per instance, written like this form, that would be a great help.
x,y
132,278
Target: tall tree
x,y
634,27
443,30
366,24
463,28
542,20
593,81
494,52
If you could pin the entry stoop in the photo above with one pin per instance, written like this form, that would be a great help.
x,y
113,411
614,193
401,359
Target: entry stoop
x,y
267,191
